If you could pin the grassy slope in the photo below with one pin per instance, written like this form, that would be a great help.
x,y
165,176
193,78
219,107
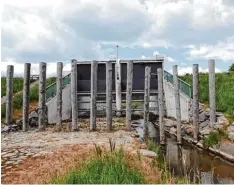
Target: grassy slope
x,y
18,99
224,91
18,84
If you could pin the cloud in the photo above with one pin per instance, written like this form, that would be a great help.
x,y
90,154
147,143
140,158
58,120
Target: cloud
x,y
170,59
49,30
189,70
51,69
223,50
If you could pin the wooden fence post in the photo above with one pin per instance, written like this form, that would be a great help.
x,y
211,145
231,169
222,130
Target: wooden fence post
x,y
177,102
9,94
27,67
161,106
93,102
59,85
195,102
118,88
109,95
129,95
211,64
74,94
42,96
146,101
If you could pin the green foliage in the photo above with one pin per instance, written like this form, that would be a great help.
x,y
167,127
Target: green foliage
x,y
166,175
224,90
231,68
110,168
214,138
18,84
134,104
156,147
33,96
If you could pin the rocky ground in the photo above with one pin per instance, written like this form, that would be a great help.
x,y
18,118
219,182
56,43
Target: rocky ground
x,y
26,156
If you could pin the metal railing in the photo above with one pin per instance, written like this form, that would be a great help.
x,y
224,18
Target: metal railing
x,y
183,86
51,90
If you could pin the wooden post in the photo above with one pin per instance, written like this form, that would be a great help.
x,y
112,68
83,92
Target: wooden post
x,y
93,102
118,88
177,102
211,64
42,96
195,102
9,94
59,85
109,95
27,67
74,94
161,106
129,95
146,101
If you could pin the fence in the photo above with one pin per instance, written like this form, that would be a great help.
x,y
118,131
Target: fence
x,y
183,86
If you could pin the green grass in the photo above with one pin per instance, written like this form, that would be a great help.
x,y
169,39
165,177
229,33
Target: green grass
x,y
134,104
108,168
214,138
33,96
224,90
166,175
18,84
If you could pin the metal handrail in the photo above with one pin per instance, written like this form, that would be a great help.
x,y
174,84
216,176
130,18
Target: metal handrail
x,y
169,77
53,86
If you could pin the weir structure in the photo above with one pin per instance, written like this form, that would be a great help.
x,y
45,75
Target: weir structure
x,y
90,90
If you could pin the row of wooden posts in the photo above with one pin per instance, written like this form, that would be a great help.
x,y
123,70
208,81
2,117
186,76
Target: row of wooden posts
x,y
93,102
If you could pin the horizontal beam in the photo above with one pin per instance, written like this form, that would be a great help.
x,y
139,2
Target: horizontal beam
x,y
123,101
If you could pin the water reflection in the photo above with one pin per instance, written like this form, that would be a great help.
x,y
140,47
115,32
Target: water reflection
x,y
196,165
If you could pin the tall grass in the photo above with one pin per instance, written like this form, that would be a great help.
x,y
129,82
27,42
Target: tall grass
x,y
18,84
33,96
224,90
119,167
166,176
108,168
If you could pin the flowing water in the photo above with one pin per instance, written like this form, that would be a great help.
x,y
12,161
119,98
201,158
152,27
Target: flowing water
x,y
196,164
188,160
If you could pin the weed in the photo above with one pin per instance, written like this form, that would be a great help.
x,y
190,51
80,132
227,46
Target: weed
x,y
109,168
214,138
134,104
112,144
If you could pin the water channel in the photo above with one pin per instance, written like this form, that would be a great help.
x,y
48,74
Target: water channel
x,y
187,160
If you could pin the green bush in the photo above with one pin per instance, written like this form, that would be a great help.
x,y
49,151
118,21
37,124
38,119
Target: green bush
x,y
214,138
18,83
224,90
33,96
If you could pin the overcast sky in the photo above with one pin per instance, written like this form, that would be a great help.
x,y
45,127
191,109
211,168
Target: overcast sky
x,y
185,31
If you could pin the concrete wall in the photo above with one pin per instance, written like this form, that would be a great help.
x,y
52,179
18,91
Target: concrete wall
x,y
66,106
170,102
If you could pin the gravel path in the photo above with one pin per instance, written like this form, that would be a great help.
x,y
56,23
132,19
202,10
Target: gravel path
x,y
17,147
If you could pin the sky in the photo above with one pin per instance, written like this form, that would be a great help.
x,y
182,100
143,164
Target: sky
x,y
186,32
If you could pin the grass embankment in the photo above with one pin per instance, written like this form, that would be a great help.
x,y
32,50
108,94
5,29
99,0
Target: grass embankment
x,y
18,84
119,167
18,98
224,86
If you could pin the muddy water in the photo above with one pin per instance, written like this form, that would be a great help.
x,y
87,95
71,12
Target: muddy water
x,y
197,165
187,160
